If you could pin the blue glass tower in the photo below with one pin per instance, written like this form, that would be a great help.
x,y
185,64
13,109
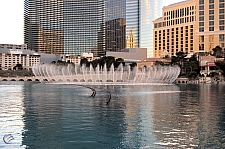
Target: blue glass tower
x,y
139,17
75,26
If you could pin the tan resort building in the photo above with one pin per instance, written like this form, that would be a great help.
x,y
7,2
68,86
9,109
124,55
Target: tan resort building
x,y
189,26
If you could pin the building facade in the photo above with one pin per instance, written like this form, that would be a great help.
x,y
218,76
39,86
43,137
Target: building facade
x,y
11,55
130,54
139,17
115,31
43,25
210,28
190,26
63,26
74,26
77,59
174,31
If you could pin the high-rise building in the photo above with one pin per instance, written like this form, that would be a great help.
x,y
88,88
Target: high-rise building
x,y
81,26
174,31
139,17
190,26
115,31
75,26
63,26
210,27
43,30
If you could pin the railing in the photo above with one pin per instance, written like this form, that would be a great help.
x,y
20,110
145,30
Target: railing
x,y
19,78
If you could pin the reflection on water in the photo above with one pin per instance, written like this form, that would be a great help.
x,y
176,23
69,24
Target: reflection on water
x,y
11,111
191,120
65,116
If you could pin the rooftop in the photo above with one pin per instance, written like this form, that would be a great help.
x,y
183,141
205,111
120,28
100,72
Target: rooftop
x,y
178,3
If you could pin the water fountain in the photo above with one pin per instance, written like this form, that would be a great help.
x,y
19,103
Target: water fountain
x,y
72,74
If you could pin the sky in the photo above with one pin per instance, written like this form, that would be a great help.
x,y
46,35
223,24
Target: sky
x,y
11,20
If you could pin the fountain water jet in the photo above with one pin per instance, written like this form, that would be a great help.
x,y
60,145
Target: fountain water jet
x,y
122,75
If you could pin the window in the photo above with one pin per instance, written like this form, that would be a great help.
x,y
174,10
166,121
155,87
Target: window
x,y
221,45
211,17
211,6
221,22
221,28
201,7
211,28
222,5
221,16
221,11
201,23
211,1
201,18
201,12
221,37
221,0
211,46
201,1
201,39
211,38
201,46
211,11
201,29
211,23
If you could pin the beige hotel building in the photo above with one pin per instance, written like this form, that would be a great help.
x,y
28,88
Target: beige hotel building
x,y
189,26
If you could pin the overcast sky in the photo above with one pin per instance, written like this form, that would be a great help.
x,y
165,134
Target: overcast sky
x,y
11,20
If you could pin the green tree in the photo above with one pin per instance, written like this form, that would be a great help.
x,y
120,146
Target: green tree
x,y
221,65
191,67
121,60
109,60
84,61
132,65
217,52
18,67
178,59
159,63
94,63
59,62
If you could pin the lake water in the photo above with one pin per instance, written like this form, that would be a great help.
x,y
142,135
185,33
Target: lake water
x,y
66,117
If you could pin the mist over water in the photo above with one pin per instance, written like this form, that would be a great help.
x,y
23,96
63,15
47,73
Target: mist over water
x,y
157,116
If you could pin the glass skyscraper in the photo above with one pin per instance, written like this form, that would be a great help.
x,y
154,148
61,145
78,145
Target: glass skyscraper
x,y
138,15
75,26
64,26
81,25
43,29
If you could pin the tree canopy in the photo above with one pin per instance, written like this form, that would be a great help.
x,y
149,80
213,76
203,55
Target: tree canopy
x,y
108,60
221,65
217,52
18,67
178,59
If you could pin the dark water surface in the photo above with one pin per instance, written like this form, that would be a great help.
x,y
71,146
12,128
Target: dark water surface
x,y
66,117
